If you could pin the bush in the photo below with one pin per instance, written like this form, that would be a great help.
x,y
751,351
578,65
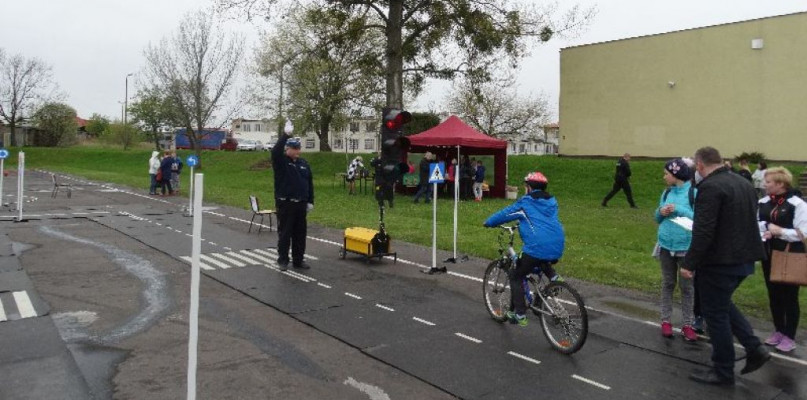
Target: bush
x,y
753,157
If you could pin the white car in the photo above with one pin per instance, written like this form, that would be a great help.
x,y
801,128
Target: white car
x,y
246,145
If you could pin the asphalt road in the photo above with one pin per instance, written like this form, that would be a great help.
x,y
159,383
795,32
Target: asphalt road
x,y
106,274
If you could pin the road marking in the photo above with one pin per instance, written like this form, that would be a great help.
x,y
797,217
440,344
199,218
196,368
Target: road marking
x,y
323,285
188,235
523,357
213,244
211,260
244,258
2,313
158,224
265,253
385,307
201,264
352,295
228,259
373,392
466,337
423,321
473,278
302,276
590,382
24,304
257,257
272,251
227,248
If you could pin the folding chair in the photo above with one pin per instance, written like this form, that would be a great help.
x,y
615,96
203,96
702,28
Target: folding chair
x,y
57,185
256,211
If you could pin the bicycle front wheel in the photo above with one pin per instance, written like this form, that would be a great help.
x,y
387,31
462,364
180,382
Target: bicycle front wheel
x,y
564,319
496,290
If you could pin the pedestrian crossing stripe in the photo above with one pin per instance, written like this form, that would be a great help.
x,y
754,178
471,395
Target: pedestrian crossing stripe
x,y
23,304
237,259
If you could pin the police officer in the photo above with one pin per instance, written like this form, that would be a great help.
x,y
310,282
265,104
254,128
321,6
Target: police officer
x,y
621,181
294,198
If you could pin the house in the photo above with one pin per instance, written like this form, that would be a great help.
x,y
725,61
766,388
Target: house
x,y
542,142
359,135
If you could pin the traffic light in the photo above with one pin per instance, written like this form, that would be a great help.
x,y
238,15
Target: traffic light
x,y
393,142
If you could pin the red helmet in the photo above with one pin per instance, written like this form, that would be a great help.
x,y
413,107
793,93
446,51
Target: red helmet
x,y
536,177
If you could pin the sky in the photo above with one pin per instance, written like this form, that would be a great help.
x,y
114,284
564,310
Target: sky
x,y
93,44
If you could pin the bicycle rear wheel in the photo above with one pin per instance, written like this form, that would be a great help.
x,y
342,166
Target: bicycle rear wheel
x,y
564,319
496,290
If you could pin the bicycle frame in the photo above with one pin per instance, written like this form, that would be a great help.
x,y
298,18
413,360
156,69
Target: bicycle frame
x,y
507,252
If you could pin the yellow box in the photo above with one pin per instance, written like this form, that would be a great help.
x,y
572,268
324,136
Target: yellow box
x,y
360,240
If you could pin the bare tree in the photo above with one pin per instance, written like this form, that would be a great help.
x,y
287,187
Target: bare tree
x,y
496,108
196,70
25,84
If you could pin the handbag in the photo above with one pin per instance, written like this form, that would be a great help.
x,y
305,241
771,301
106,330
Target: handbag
x,y
159,176
789,268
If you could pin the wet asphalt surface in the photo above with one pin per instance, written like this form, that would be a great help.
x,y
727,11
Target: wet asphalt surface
x,y
107,273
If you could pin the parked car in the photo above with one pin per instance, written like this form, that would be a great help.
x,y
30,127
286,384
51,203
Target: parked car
x,y
229,144
247,145
262,147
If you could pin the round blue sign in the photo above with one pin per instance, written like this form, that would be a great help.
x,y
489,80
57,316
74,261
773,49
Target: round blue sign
x,y
192,161
3,153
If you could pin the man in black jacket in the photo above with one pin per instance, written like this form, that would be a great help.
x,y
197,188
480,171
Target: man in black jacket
x,y
294,198
621,181
725,245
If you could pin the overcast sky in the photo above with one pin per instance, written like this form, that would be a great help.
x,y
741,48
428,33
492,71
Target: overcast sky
x,y
93,44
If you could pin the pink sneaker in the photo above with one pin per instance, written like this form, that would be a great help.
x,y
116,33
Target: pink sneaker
x,y
666,329
774,339
689,333
786,345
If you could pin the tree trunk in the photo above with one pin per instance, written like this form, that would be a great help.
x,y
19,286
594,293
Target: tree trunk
x,y
195,145
12,127
156,138
324,130
394,72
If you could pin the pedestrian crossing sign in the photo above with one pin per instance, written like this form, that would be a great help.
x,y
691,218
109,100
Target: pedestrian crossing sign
x,y
438,172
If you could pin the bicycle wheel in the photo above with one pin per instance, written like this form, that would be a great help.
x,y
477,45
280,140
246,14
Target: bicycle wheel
x,y
564,319
496,290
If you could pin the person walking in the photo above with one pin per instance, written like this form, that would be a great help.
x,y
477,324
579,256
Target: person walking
x,y
744,171
725,245
782,222
677,200
758,178
176,169
165,171
621,181
423,186
353,171
154,166
294,199
479,179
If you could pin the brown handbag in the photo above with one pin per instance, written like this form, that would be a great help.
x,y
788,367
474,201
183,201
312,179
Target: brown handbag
x,y
789,268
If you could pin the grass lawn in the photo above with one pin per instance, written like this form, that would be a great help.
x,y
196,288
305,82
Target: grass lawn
x,y
610,246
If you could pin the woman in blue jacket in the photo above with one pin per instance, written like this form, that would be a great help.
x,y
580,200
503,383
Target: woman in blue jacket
x,y
677,200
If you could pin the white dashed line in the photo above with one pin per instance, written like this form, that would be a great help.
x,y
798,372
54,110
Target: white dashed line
x,y
423,321
323,285
466,337
352,295
590,382
227,248
385,307
523,357
213,244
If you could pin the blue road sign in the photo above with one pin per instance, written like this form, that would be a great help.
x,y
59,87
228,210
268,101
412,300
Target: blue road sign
x,y
3,153
437,172
192,160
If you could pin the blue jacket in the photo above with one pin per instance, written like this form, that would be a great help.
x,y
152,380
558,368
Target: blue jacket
x,y
480,174
293,179
539,226
671,236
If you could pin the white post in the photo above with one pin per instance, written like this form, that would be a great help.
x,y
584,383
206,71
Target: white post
x,y
2,172
190,195
434,228
193,320
456,198
20,183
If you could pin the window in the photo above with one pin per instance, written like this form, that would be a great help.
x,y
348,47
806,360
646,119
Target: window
x,y
354,126
513,147
369,144
246,128
536,147
258,128
354,144
369,126
309,143
337,143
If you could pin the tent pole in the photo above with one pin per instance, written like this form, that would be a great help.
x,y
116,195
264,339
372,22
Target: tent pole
x,y
456,202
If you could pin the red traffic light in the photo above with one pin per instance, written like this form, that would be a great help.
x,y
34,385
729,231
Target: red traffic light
x,y
395,119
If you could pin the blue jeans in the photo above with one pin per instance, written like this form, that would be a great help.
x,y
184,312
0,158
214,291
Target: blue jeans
x,y
424,188
153,187
723,319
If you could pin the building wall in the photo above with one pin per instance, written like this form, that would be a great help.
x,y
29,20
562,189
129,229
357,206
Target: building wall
x,y
668,94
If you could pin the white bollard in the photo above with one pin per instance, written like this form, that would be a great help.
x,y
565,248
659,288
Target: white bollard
x,y
190,195
20,183
2,172
193,320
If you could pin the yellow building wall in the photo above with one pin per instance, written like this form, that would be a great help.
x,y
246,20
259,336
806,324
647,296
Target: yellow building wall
x,y
618,96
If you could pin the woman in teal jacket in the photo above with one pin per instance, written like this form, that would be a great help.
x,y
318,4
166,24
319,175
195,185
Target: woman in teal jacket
x,y
676,201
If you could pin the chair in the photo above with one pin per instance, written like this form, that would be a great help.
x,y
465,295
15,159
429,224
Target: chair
x,y
256,211
57,186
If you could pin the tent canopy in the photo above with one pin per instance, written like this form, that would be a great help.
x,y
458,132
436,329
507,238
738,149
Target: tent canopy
x,y
452,136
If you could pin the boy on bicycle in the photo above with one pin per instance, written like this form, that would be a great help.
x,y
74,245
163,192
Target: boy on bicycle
x,y
542,235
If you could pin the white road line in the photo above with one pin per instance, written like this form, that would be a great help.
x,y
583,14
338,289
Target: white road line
x,y
81,213
24,304
227,248
473,278
323,285
385,307
243,258
213,244
158,224
201,264
523,357
590,382
302,276
423,321
211,260
265,253
352,295
228,259
188,235
257,257
2,313
466,337
274,251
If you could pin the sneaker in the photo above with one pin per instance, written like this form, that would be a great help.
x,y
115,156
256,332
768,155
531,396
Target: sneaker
x,y
283,265
302,265
556,278
774,339
698,325
689,333
786,345
666,329
519,319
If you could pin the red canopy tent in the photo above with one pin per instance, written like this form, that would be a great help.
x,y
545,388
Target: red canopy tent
x,y
453,137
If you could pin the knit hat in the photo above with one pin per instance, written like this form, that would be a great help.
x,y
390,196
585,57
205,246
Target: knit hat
x,y
678,168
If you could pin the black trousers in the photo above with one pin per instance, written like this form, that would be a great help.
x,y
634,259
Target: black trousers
x,y
784,303
291,230
524,266
620,184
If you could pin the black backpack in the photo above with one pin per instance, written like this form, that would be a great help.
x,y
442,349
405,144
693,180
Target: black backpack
x,y
691,196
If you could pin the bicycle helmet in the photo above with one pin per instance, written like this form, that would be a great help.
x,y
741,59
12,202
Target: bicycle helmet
x,y
535,177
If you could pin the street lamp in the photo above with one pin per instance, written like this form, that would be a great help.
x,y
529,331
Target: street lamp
x,y
126,98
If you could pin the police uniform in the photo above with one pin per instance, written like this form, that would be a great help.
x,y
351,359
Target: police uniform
x,y
294,195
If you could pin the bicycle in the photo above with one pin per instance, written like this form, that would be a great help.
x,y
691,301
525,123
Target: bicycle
x,y
562,313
